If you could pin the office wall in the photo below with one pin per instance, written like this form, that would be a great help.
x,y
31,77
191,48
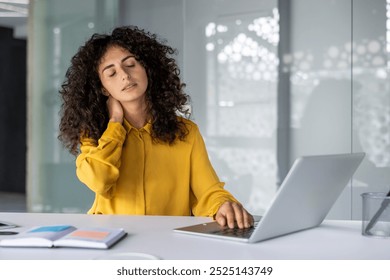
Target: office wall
x,y
339,91
56,30
12,112
236,115
231,67
320,83
371,97
323,69
164,18
270,81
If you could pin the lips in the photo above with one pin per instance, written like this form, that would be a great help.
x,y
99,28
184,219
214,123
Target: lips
x,y
129,86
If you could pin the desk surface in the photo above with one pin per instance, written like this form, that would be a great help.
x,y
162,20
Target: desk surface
x,y
153,235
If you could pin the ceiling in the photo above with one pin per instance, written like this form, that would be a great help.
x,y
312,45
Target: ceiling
x,y
13,14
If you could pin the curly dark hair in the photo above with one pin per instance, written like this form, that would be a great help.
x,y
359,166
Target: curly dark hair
x,y
84,111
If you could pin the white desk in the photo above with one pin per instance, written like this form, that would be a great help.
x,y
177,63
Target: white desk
x,y
333,240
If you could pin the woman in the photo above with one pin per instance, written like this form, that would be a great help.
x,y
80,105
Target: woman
x,y
123,114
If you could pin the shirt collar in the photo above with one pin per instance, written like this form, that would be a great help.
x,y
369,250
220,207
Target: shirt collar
x,y
147,127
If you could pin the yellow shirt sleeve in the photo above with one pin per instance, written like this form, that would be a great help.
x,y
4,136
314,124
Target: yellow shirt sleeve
x,y
97,166
208,192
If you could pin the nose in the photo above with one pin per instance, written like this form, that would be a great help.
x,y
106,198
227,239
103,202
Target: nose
x,y
125,74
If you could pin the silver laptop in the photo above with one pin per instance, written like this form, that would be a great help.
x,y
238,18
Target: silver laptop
x,y
305,197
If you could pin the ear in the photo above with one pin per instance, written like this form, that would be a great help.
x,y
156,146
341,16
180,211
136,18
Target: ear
x,y
105,92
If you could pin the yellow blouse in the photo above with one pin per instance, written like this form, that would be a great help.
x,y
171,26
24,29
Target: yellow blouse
x,y
132,174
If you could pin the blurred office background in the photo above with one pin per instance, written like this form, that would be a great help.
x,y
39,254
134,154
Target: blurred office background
x,y
270,81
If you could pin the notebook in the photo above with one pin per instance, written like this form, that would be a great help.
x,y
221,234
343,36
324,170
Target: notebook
x,y
65,236
303,200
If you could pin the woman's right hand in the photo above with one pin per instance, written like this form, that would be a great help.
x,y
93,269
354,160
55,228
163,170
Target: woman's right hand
x,y
115,110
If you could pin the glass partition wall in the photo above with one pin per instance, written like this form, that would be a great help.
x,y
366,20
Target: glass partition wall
x,y
56,30
371,97
269,81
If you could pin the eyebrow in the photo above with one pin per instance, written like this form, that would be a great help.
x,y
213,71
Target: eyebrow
x,y
112,65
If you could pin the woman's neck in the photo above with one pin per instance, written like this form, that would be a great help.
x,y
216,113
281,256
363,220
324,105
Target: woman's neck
x,y
135,114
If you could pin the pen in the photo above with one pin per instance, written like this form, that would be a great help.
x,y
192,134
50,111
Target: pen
x,y
375,218
8,232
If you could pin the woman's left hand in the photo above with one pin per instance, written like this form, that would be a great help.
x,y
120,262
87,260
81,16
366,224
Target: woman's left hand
x,y
233,214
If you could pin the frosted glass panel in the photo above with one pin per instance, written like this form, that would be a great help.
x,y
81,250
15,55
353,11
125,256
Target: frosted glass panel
x,y
371,93
320,77
232,76
242,66
340,89
57,29
319,68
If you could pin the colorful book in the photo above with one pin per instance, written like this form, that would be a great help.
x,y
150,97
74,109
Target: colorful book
x,y
65,236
